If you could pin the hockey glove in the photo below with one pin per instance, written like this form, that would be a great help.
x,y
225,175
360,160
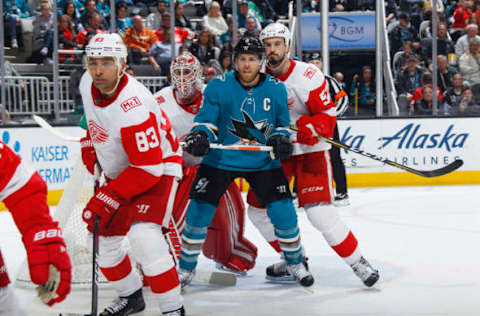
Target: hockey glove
x,y
310,127
103,204
282,147
198,143
48,262
89,157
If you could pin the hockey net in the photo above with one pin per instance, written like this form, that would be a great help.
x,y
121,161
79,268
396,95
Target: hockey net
x,y
68,213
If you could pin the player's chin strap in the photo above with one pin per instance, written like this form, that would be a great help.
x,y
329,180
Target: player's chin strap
x,y
119,76
428,173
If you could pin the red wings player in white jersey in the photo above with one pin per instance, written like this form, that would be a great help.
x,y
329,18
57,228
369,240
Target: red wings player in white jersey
x,y
25,195
225,242
313,112
132,141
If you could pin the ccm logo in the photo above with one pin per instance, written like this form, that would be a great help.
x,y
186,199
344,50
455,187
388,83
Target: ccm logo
x,y
130,104
51,233
312,189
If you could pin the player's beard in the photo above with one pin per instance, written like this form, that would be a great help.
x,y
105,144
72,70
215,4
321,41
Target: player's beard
x,y
275,61
247,78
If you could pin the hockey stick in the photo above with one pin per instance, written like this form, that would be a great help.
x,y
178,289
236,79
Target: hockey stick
x,y
95,250
423,173
44,124
54,131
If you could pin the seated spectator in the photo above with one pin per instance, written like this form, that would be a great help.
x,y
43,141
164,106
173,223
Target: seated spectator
x,y
444,44
139,39
467,105
364,89
409,79
463,43
340,79
160,54
341,5
445,73
402,32
453,95
94,27
90,8
242,14
180,34
426,80
154,19
401,57
209,74
462,14
14,10
180,19
70,10
123,21
251,30
103,8
227,36
43,33
226,61
66,39
413,9
214,20
424,105
203,48
469,63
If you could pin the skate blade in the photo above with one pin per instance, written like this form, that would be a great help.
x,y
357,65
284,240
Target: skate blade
x,y
241,274
341,203
281,280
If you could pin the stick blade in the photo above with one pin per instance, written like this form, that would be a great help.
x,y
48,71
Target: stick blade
x,y
215,278
442,171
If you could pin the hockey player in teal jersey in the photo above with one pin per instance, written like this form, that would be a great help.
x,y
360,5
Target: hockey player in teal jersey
x,y
245,106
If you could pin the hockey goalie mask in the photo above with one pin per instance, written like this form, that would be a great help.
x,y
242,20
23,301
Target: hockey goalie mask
x,y
186,73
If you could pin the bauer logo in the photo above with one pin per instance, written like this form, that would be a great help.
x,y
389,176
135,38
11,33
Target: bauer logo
x,y
414,136
131,103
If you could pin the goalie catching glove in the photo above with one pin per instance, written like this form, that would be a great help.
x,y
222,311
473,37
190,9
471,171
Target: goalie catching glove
x,y
282,147
311,127
103,204
48,262
197,143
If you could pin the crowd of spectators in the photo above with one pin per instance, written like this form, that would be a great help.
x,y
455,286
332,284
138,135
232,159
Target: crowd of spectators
x,y
145,28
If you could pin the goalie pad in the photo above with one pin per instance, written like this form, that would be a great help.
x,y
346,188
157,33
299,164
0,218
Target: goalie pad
x,y
225,242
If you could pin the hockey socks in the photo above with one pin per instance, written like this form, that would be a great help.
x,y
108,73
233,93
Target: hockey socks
x,y
199,217
284,219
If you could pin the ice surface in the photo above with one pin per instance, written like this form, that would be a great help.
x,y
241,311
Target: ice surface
x,y
424,240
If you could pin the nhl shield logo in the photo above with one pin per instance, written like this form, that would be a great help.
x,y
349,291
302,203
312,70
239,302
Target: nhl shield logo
x,y
97,133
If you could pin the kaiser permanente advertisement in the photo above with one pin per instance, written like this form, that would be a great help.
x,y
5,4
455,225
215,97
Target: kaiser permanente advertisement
x,y
347,31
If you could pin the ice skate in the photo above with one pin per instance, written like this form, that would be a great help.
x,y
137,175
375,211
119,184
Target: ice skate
x,y
278,272
341,200
220,266
302,275
185,277
127,305
365,272
177,312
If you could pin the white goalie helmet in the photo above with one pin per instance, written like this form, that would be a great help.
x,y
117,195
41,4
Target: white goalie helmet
x,y
186,74
275,30
107,45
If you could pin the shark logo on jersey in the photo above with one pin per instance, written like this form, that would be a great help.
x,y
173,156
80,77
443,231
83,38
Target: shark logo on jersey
x,y
250,130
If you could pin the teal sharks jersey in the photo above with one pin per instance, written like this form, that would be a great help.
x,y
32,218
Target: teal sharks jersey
x,y
234,114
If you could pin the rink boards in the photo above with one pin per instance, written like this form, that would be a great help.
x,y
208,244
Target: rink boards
x,y
418,143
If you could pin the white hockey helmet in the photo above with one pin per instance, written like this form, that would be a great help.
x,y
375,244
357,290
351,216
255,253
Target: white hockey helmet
x,y
107,45
275,30
186,74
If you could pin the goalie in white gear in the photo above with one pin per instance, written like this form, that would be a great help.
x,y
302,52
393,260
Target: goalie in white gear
x,y
131,139
313,112
181,102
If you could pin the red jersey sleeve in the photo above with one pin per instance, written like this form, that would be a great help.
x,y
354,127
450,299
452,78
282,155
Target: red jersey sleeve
x,y
319,99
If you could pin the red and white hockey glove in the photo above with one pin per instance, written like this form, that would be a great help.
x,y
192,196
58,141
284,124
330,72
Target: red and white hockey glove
x,y
103,204
89,157
310,127
48,262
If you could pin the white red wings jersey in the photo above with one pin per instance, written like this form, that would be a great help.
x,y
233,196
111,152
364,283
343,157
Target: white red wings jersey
x,y
14,172
122,133
181,116
307,95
